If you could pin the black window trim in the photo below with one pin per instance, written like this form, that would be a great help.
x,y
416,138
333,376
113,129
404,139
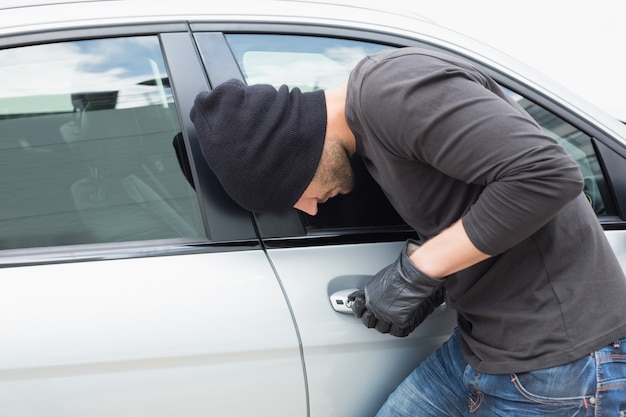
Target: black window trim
x,y
224,220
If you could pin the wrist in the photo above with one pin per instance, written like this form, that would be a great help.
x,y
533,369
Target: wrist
x,y
447,253
415,275
422,264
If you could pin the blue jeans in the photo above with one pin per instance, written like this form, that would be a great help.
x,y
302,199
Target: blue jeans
x,y
444,385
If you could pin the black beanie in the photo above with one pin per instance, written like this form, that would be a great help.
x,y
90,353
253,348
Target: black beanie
x,y
263,144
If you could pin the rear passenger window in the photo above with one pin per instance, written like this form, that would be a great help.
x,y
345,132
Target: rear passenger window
x,y
86,153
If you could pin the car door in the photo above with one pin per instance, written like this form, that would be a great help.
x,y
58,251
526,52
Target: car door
x,y
127,288
350,369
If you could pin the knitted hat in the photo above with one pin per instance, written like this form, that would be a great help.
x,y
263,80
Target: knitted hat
x,y
263,144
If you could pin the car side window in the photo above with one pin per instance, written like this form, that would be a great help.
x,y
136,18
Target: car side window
x,y
86,154
580,147
312,63
307,62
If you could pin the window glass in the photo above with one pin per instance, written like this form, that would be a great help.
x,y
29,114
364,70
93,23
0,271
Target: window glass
x,y
86,153
307,62
311,63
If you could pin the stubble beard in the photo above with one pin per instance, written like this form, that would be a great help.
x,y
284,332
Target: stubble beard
x,y
335,170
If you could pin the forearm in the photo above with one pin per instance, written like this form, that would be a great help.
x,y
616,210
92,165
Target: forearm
x,y
448,252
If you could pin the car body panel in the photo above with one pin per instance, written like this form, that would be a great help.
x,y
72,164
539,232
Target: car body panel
x,y
363,369
140,336
617,239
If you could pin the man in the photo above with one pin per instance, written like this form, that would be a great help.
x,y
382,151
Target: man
x,y
504,228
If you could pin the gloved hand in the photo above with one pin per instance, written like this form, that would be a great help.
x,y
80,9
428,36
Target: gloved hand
x,y
398,298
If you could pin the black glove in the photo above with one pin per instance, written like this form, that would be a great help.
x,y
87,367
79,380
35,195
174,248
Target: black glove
x,y
398,298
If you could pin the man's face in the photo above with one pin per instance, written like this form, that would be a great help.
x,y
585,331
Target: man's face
x,y
334,176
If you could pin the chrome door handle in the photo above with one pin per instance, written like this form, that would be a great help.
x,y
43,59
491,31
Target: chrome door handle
x,y
339,300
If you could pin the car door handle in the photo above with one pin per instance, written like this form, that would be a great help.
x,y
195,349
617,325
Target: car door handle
x,y
339,300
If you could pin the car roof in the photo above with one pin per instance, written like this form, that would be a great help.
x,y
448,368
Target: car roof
x,y
29,16
11,4
33,11
32,16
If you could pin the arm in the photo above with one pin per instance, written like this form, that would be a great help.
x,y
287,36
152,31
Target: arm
x,y
448,119
402,295
434,256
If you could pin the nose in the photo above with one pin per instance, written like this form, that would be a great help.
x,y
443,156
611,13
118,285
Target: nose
x,y
307,205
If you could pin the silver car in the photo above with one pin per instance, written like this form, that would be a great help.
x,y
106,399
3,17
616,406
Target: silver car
x,y
131,285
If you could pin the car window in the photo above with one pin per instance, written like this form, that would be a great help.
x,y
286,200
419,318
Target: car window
x,y
311,63
307,62
86,154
